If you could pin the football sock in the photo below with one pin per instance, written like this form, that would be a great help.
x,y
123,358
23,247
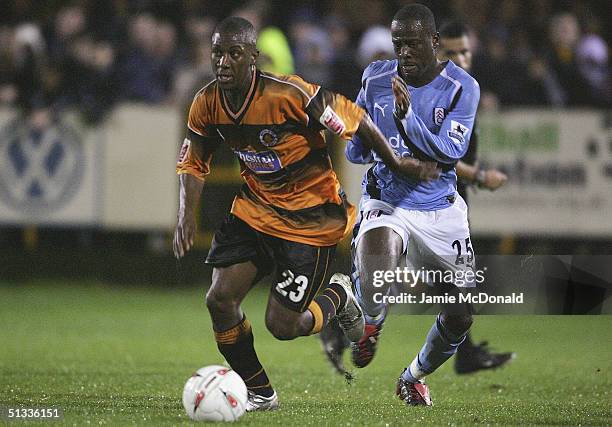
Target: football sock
x,y
467,343
439,346
236,345
375,320
326,304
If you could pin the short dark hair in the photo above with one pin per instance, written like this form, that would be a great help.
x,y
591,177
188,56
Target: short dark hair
x,y
453,30
237,25
417,12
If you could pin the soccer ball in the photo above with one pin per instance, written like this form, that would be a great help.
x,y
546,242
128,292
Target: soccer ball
x,y
215,393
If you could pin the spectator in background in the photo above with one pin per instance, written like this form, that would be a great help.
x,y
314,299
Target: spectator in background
x,y
8,71
194,70
345,78
515,64
69,23
274,53
564,33
501,79
505,78
148,66
68,70
375,45
30,62
592,60
81,71
91,77
313,53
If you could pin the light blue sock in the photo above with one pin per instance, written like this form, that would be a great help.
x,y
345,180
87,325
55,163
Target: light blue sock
x,y
439,346
375,320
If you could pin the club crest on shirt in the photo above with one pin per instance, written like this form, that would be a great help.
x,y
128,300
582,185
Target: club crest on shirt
x,y
268,138
439,114
332,121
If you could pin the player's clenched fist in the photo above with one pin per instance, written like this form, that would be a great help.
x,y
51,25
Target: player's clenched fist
x,y
493,179
402,97
184,234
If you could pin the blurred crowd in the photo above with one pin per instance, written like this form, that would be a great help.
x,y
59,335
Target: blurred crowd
x,y
89,55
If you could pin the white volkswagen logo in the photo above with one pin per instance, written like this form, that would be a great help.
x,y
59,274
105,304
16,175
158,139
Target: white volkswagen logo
x,y
39,169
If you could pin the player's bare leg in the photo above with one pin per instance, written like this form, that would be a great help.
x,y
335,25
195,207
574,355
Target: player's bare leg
x,y
285,324
233,331
335,301
379,249
229,287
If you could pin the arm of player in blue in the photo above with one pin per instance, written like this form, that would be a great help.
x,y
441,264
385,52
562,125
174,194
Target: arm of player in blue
x,y
355,151
451,143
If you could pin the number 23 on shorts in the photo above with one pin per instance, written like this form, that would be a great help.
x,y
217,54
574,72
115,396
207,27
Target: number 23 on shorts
x,y
301,284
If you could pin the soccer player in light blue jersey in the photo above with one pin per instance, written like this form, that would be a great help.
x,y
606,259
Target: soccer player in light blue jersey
x,y
426,109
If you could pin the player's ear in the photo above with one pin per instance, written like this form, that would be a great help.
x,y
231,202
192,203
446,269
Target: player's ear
x,y
254,56
435,41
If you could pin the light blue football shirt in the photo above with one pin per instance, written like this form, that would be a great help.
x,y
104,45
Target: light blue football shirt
x,y
439,123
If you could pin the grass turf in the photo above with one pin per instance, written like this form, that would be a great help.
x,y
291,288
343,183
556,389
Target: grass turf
x,y
112,355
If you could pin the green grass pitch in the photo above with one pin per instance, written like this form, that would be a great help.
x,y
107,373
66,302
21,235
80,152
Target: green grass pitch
x,y
117,356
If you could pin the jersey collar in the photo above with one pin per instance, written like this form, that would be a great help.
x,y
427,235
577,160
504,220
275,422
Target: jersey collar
x,y
238,115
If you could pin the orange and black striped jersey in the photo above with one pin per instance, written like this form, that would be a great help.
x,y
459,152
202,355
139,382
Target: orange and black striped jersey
x,y
291,190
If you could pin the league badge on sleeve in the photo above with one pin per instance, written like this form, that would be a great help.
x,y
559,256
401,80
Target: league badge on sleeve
x,y
184,150
332,121
458,132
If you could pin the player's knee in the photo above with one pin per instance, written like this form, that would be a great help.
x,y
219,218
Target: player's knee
x,y
457,324
218,301
382,241
280,328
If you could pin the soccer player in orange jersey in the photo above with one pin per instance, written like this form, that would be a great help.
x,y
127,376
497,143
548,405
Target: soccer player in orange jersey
x,y
291,211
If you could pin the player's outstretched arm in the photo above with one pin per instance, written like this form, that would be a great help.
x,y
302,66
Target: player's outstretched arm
x,y
348,120
190,189
491,179
466,171
369,134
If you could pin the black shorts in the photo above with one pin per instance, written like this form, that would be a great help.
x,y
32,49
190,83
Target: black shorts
x,y
301,269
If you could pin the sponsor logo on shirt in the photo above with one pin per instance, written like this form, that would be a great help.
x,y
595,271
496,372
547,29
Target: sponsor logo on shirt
x,y
260,162
381,108
332,121
458,132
